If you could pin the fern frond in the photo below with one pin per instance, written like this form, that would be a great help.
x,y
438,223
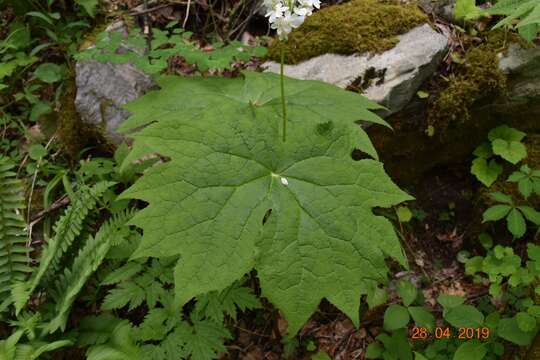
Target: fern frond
x,y
66,229
14,254
90,256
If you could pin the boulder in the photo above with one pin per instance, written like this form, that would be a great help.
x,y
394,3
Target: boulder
x,y
103,87
440,8
522,65
390,78
408,152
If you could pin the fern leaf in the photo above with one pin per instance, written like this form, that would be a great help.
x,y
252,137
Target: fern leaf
x,y
121,346
122,273
66,229
85,264
14,255
203,340
215,305
127,292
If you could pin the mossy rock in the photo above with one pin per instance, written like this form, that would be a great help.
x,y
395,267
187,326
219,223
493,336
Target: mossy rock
x,y
478,77
358,26
74,134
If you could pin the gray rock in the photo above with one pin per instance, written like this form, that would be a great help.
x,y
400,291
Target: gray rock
x,y
522,66
102,88
393,77
440,8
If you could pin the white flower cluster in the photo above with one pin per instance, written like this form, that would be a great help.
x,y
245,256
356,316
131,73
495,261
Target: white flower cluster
x,y
285,15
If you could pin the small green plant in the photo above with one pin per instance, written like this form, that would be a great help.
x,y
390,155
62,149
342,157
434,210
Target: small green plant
x,y
520,15
164,333
503,141
514,285
515,214
165,44
528,181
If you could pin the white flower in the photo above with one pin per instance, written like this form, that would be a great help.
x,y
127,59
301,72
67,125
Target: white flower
x,y
310,3
285,18
277,12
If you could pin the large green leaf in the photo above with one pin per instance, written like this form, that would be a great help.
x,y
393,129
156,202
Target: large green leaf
x,y
234,196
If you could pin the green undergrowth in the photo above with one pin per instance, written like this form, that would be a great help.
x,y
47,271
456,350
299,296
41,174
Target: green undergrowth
x,y
355,27
532,142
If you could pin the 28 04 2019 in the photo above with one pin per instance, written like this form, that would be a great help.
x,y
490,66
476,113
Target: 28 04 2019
x,y
463,333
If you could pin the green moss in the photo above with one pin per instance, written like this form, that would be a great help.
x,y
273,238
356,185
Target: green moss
x,y
358,26
477,78
73,133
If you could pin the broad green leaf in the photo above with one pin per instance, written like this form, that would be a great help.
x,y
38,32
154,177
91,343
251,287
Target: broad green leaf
x,y
501,197
404,214
36,151
39,109
422,317
516,176
525,321
511,151
506,133
466,9
483,151
464,316
486,172
407,291
473,265
486,240
450,301
374,351
376,296
533,18
509,329
418,356
49,73
516,223
534,310
533,251
473,350
530,214
89,6
525,187
395,317
235,197
496,212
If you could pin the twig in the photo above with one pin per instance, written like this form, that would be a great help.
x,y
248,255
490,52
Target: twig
x,y
61,202
146,11
38,165
187,14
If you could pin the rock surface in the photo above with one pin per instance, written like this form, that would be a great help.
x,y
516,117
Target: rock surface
x,y
408,153
522,66
441,8
102,89
391,78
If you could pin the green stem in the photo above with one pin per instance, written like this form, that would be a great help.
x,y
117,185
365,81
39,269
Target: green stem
x,y
283,106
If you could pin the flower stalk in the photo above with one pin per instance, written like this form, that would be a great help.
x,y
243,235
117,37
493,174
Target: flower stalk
x,y
284,16
282,82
